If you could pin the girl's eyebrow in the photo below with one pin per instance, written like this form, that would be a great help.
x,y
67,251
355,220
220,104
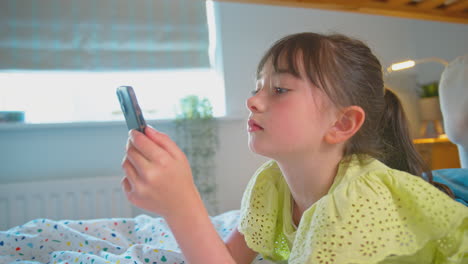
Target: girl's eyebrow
x,y
280,72
286,72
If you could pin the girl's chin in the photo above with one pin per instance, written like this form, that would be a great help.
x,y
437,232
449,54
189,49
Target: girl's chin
x,y
260,151
255,148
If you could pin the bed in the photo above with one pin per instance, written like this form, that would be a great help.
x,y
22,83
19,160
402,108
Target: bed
x,y
142,239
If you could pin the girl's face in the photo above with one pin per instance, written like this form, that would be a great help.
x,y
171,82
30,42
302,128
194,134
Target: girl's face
x,y
288,115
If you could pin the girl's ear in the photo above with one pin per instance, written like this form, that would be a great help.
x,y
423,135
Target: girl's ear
x,y
349,121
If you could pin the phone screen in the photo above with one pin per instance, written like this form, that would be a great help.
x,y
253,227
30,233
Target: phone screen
x,y
131,109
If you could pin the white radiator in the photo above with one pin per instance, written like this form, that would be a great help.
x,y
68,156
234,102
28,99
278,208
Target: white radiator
x,y
73,199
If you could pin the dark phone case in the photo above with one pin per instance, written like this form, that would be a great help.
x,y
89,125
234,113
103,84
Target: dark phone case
x,y
131,109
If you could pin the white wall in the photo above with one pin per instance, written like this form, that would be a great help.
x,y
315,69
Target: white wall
x,y
249,29
246,30
58,151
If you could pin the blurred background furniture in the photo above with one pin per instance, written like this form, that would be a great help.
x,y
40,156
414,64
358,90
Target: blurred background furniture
x,y
450,150
429,103
438,153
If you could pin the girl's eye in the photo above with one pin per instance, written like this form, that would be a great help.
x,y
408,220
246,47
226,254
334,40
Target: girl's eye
x,y
279,90
254,92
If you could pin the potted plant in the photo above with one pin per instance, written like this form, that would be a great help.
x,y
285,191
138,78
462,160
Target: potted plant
x,y
197,134
429,107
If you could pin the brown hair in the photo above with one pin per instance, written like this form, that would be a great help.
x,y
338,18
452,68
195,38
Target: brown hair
x,y
350,74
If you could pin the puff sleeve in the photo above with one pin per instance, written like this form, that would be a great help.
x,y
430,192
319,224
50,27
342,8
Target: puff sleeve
x,y
263,209
383,216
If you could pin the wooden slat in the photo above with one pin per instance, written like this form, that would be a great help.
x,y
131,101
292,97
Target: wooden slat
x,y
433,15
352,2
375,8
429,4
461,5
398,2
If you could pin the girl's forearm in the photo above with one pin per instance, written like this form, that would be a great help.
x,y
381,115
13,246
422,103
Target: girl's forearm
x,y
197,237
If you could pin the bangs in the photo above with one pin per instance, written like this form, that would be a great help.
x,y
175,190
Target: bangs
x,y
293,53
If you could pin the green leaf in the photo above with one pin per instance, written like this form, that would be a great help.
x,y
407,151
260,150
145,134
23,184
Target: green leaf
x,y
194,107
430,89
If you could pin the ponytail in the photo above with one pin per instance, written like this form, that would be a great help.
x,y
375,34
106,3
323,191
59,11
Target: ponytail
x,y
399,151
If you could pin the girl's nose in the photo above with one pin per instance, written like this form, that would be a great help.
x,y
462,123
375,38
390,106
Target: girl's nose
x,y
254,104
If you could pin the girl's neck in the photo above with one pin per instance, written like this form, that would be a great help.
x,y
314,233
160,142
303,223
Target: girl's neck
x,y
309,179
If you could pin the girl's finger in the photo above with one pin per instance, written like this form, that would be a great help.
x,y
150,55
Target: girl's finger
x,y
129,190
164,141
149,149
127,187
131,174
130,145
138,160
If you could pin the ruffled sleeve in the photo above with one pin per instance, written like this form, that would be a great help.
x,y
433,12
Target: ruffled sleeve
x,y
383,216
263,209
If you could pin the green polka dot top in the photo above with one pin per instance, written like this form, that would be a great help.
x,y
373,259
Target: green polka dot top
x,y
371,214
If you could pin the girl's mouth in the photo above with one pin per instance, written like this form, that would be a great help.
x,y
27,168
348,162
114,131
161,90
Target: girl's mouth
x,y
252,126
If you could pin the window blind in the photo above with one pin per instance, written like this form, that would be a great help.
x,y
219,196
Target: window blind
x,y
103,34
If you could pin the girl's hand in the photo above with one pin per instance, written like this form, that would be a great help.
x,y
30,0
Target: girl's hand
x,y
159,179
158,175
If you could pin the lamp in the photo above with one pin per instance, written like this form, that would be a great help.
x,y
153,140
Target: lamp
x,y
411,63
429,106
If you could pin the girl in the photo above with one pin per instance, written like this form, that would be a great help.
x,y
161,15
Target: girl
x,y
341,184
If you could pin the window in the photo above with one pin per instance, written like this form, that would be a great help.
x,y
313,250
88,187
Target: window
x,y
56,97
160,47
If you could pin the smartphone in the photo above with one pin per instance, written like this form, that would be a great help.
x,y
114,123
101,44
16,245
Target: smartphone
x,y
131,109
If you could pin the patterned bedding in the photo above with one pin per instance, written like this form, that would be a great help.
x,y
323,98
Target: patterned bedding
x,y
142,239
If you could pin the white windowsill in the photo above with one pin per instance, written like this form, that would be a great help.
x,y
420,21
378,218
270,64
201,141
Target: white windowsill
x,y
97,124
